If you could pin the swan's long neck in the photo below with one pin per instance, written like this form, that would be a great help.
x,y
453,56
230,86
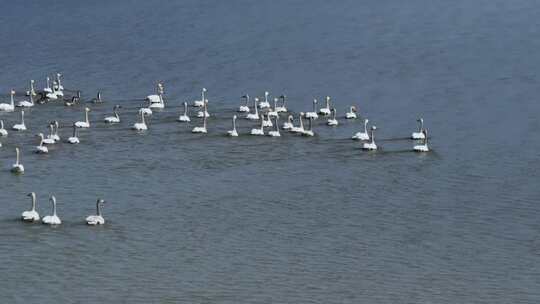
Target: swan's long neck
x,y
98,208
365,126
86,117
32,95
22,117
48,83
32,90
33,201
247,100
12,101
334,114
275,103
205,110
373,136
328,103
18,157
301,122
142,118
284,100
234,123
202,96
425,137
256,110
41,140
58,80
266,97
421,125
290,118
185,108
116,113
277,126
74,131
1,124
53,200
315,105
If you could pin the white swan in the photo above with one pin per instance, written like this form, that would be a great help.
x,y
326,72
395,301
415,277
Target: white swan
x,y
273,112
41,149
52,219
8,107
313,114
98,98
275,132
420,134
283,107
258,131
53,95
265,104
20,126
423,147
332,121
371,145
59,87
145,111
204,112
32,90
326,110
200,103
31,215
203,128
352,113
48,89
140,126
74,139
244,108
98,218
158,105
155,98
309,131
300,128
267,122
55,135
362,135
74,100
288,124
25,103
115,118
86,122
184,117
254,116
3,132
17,167
49,140
233,132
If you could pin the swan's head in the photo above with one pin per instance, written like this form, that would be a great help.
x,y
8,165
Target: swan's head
x,y
31,194
58,75
353,108
87,109
276,99
185,103
256,99
100,201
301,114
373,128
56,123
266,93
234,117
52,199
40,135
12,92
327,97
283,96
117,106
420,120
204,89
32,81
366,121
314,100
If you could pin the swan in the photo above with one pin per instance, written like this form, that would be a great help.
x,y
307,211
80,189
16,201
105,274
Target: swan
x,y
184,117
140,126
155,98
48,89
264,104
244,108
201,129
371,145
233,132
74,139
362,135
74,101
60,87
273,112
309,131
20,126
32,90
115,118
41,149
326,110
275,132
55,135
158,105
254,116
204,113
98,98
3,132
282,108
86,122
32,215
53,94
200,103
145,111
423,147
25,103
17,167
300,128
352,113
288,124
313,114
98,218
267,122
49,140
52,219
332,121
258,131
420,133
8,107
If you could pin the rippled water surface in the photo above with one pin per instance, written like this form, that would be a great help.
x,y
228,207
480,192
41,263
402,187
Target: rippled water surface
x,y
210,219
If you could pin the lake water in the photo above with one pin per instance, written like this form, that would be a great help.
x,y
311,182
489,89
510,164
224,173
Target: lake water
x,y
210,219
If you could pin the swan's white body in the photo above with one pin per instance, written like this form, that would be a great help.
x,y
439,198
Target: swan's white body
x,y
371,145
20,126
258,131
59,86
351,114
275,132
202,114
313,114
282,108
244,108
55,135
52,219
424,146
74,139
300,128
48,89
267,122
203,128
8,107
145,111
309,131
26,103
158,105
140,126
254,116
96,219
233,132
184,117
31,215
288,124
115,118
50,138
17,167
264,104
156,98
362,135
3,132
86,122
420,134
326,110
200,103
332,121
273,113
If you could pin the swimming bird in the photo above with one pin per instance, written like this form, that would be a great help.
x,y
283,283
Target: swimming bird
x,y
158,105
32,91
424,146
233,132
3,132
86,122
59,87
115,118
31,215
55,135
74,100
332,121
201,129
200,103
352,113
254,116
309,131
98,98
48,89
204,112
17,167
98,218
267,122
184,117
140,126
326,110
371,145
155,98
273,112
145,111
265,104
53,95
25,103
20,126
275,132
49,140
52,219
362,135
8,107
244,108
74,139
283,107
313,114
41,149
288,124
420,134
300,128
258,131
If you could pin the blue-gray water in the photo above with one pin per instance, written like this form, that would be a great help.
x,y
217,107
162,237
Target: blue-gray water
x,y
210,219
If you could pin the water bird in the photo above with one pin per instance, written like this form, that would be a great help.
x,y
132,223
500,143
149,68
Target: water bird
x,y
156,98
244,108
31,215
309,131
313,114
300,128
20,126
333,120
3,132
17,167
326,110
48,89
50,139
283,107
96,219
140,126
86,122
8,107
52,219
272,112
258,131
288,124
233,132
254,116
201,129
363,135
26,103
265,104
371,145
275,132
424,146
74,139
200,103
41,149
267,122
115,118
352,113
184,117
420,134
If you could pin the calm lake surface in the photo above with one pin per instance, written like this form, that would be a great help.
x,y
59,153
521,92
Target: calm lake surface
x,y
210,219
